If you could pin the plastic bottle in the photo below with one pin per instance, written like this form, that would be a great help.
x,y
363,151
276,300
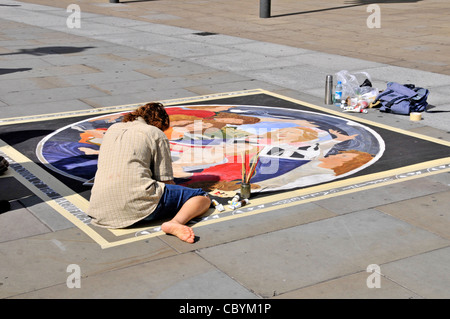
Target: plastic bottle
x,y
338,94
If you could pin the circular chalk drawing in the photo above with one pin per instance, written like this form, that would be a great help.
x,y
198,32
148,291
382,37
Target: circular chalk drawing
x,y
215,146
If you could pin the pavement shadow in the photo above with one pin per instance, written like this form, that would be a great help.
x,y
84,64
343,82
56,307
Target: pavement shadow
x,y
6,71
49,50
349,4
431,107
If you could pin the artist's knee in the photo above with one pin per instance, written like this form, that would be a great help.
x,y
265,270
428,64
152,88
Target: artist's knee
x,y
206,201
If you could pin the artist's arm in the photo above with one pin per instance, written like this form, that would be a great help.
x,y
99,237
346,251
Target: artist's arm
x,y
162,161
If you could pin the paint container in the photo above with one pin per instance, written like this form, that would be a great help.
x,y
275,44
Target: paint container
x,y
234,200
415,116
217,205
329,90
239,204
245,190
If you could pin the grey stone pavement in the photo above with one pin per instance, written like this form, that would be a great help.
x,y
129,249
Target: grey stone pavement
x,y
320,249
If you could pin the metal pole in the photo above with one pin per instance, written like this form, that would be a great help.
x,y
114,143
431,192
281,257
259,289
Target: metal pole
x,y
264,8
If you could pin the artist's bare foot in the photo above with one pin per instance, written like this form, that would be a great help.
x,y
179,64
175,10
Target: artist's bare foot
x,y
183,232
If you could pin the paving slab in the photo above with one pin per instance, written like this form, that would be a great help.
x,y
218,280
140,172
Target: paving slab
x,y
442,178
18,222
58,250
51,95
294,77
426,274
104,100
215,38
405,75
137,39
110,76
431,212
160,279
46,215
249,84
383,195
242,61
334,63
119,22
185,49
433,132
281,261
17,110
162,29
21,61
221,232
355,287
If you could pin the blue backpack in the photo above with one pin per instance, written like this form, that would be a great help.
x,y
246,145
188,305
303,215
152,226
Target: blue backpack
x,y
402,99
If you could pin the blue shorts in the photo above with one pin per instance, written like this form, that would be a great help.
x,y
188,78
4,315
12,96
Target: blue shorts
x,y
173,197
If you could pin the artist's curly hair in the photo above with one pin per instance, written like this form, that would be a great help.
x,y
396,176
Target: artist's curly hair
x,y
153,113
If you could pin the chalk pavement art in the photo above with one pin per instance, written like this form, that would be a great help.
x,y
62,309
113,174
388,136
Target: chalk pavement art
x,y
302,153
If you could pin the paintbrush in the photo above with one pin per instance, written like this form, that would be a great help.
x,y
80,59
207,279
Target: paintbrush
x,y
252,170
243,169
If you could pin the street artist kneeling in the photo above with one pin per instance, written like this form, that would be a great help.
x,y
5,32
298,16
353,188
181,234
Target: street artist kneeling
x,y
134,179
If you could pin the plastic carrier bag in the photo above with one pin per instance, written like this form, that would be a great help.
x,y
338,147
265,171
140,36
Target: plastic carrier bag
x,y
353,84
402,99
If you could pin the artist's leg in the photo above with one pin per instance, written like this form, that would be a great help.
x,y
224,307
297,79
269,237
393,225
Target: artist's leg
x,y
193,207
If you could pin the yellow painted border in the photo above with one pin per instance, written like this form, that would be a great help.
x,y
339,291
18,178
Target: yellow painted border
x,y
82,203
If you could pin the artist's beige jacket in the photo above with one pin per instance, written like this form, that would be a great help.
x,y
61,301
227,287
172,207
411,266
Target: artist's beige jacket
x,y
134,159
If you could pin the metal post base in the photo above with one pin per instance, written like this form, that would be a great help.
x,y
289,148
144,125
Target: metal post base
x,y
264,8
